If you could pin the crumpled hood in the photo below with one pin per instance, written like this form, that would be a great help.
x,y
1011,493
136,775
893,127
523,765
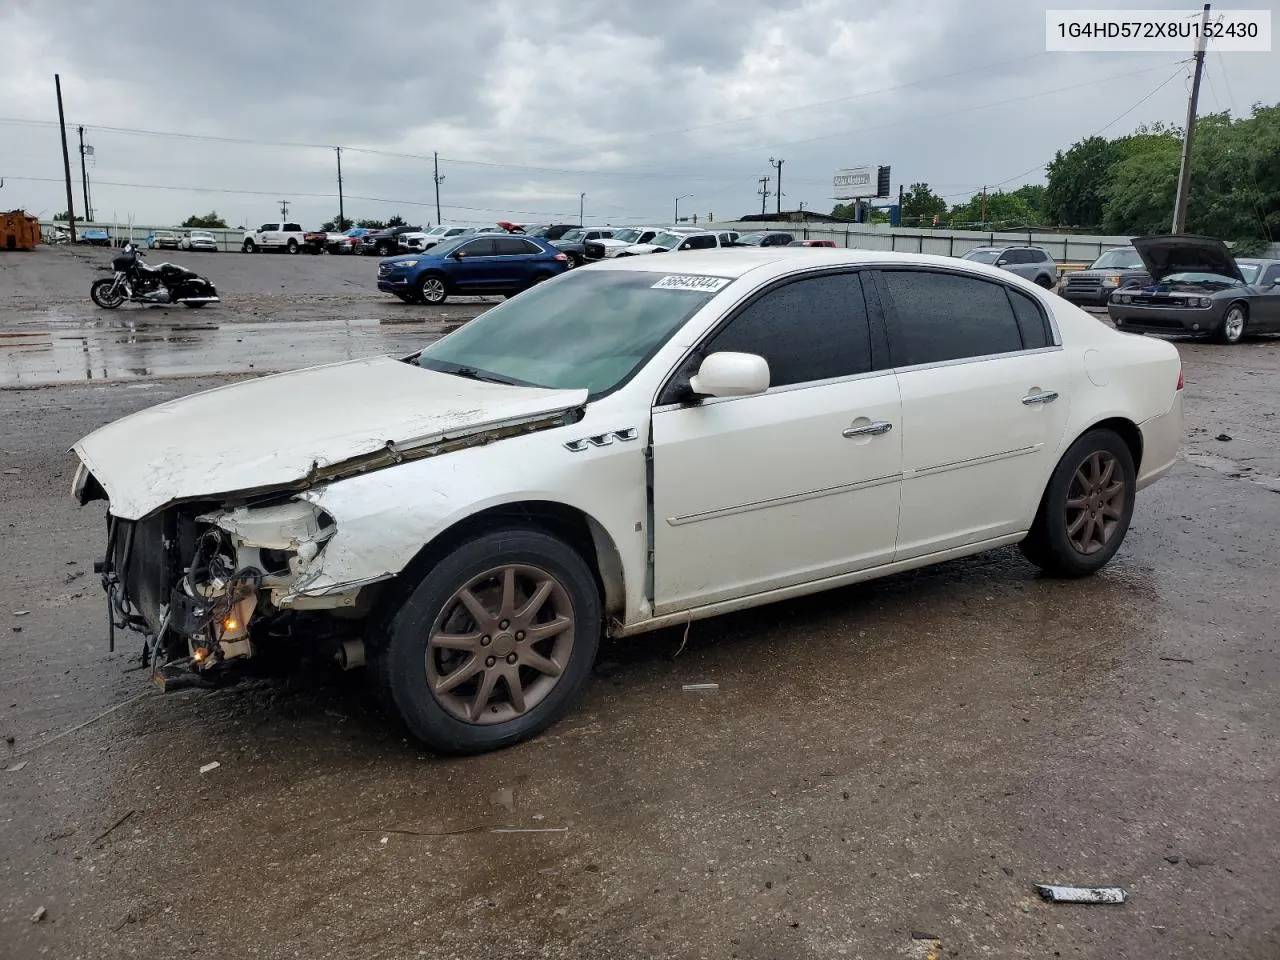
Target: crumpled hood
x,y
293,429
1182,253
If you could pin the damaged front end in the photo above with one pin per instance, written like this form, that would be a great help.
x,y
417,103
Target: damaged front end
x,y
210,586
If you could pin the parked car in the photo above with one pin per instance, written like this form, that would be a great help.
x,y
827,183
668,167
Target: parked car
x,y
348,241
94,237
680,238
574,243
770,238
600,455
199,240
607,247
162,240
425,240
383,242
1197,287
274,236
1030,262
812,243
1114,268
476,265
551,231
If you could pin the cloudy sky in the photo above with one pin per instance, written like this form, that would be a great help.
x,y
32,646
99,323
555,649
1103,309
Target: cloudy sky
x,y
529,104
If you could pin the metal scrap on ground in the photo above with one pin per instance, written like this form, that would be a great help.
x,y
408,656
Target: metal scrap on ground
x,y
1061,894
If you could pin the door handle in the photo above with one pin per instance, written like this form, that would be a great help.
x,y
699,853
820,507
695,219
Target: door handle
x,y
1042,396
879,428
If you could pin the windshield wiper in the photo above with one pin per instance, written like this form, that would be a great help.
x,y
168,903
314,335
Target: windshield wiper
x,y
471,373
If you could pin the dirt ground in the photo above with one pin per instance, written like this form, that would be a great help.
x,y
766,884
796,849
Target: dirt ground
x,y
904,757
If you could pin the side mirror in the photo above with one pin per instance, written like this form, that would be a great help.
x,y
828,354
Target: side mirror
x,y
1001,262
731,375
458,254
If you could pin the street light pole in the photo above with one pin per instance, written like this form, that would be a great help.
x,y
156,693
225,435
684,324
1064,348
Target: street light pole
x,y
683,196
581,198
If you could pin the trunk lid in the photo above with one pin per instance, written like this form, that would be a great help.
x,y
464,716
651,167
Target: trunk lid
x,y
292,430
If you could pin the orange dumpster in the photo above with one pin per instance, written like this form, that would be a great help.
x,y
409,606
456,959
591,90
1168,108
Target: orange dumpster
x,y
18,230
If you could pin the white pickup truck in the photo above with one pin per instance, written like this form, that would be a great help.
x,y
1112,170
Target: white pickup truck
x,y
274,236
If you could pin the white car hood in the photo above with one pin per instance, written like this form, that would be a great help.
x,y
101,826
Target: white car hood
x,y
610,242
643,248
293,429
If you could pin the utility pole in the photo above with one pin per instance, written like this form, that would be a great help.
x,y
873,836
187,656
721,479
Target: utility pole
x,y
84,179
66,161
764,192
342,219
984,208
435,158
1184,168
777,165
284,210
581,200
901,222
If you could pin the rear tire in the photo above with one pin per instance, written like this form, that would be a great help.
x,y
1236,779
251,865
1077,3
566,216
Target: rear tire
x,y
1045,282
488,636
292,245
1086,509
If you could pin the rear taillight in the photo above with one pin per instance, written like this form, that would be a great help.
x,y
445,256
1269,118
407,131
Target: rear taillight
x,y
561,257
1180,380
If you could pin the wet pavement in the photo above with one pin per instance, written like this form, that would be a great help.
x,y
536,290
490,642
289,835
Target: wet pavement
x,y
907,756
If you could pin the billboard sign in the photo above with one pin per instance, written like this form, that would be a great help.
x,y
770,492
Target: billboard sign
x,y
859,183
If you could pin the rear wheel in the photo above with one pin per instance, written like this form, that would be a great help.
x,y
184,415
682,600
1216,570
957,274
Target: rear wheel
x,y
1086,509
384,250
1044,281
102,293
433,290
292,245
1233,325
494,643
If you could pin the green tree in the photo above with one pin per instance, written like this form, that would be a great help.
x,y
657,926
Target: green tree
x,y
62,217
397,221
920,205
1075,193
337,224
210,221
371,224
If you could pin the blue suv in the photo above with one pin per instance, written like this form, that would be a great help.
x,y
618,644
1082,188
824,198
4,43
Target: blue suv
x,y
474,265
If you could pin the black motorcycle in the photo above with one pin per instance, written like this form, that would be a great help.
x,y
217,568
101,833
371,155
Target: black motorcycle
x,y
139,282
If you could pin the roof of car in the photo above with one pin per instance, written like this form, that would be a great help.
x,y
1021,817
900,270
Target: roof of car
x,y
738,261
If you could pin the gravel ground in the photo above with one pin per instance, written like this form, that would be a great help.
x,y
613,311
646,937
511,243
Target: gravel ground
x,y
908,756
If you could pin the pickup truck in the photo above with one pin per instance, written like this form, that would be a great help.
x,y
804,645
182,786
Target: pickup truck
x,y
274,236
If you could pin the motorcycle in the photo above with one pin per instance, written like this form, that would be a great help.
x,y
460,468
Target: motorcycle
x,y
135,280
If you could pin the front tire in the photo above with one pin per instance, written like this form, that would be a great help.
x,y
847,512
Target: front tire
x,y
433,290
494,643
249,247
101,294
1234,322
1086,509
1044,282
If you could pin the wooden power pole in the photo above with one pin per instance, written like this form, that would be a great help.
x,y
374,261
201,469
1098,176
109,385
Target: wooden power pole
x,y
66,161
1184,168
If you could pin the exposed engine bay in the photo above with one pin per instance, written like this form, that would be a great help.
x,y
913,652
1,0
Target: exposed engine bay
x,y
209,587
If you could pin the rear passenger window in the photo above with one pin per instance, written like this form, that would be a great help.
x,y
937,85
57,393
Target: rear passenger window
x,y
807,330
1032,324
292,227
943,316
514,247
699,243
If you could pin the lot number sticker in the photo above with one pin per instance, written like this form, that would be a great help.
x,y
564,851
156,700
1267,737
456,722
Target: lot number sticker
x,y
697,284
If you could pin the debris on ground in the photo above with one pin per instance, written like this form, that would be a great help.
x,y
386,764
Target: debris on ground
x,y
8,738
13,472
17,766
1177,660
529,830
505,798
103,835
39,915
696,687
214,765
921,935
21,613
1223,437
1064,894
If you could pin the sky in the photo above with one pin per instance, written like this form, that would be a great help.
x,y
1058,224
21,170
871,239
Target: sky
x,y
532,104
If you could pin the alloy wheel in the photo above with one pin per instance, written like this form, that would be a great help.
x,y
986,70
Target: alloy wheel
x,y
1233,325
500,644
433,290
1095,502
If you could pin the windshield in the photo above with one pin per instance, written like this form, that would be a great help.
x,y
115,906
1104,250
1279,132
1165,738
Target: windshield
x,y
1249,271
573,235
982,256
437,231
540,231
667,241
590,328
751,240
1121,258
627,236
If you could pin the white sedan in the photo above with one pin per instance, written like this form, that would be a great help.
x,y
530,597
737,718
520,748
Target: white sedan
x,y
648,442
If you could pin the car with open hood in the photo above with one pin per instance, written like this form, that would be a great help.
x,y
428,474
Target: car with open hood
x,y
636,445
1198,287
